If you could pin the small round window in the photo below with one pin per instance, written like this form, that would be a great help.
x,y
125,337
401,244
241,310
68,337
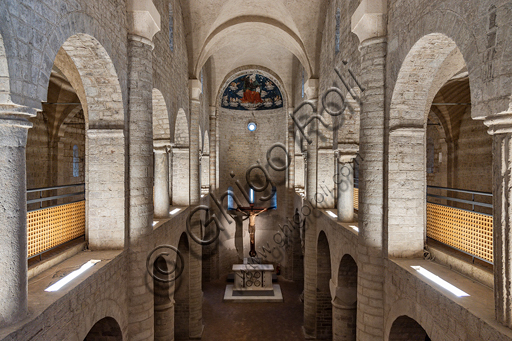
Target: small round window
x,y
251,126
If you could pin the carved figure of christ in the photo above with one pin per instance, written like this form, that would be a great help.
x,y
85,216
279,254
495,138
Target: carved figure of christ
x,y
252,212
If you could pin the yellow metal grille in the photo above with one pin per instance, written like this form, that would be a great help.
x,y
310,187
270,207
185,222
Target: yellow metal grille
x,y
467,231
356,198
53,226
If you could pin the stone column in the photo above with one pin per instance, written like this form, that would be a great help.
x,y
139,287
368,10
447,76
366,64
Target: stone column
x,y
161,195
170,154
343,320
195,271
13,217
140,179
344,179
500,127
213,148
293,270
310,248
369,24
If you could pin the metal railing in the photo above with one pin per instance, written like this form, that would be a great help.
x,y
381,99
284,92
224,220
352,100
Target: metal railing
x,y
51,226
465,230
43,199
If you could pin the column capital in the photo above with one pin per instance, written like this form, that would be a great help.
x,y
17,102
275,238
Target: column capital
x,y
500,123
15,110
143,19
346,152
369,20
134,37
311,87
162,146
195,89
213,111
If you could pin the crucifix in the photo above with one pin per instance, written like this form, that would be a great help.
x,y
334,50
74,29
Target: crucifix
x,y
252,212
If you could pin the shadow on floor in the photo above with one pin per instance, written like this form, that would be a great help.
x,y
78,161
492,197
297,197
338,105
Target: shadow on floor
x,y
229,321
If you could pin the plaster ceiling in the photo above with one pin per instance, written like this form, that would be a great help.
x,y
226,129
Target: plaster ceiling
x,y
269,33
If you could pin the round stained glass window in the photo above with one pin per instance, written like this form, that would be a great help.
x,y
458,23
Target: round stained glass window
x,y
251,126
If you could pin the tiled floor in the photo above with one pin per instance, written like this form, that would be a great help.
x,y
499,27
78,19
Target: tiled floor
x,y
228,321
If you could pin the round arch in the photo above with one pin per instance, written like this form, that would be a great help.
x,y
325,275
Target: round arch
x,y
181,129
430,63
161,126
274,29
244,70
412,310
323,291
92,73
107,309
106,329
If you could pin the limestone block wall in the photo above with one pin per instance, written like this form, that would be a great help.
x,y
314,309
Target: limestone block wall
x,y
170,74
239,149
71,317
38,154
441,317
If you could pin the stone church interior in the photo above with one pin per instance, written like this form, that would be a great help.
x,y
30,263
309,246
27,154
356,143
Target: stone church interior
x,y
256,170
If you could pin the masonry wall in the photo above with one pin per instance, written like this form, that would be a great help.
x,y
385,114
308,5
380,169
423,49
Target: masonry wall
x,y
240,149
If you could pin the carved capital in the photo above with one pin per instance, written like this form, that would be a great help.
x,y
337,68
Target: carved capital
x,y
143,18
311,87
369,19
500,123
346,152
195,88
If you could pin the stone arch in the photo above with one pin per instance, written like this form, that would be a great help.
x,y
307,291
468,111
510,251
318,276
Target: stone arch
x,y
163,303
5,86
161,126
180,161
103,97
107,309
323,292
181,134
430,63
275,30
251,69
182,292
345,302
405,328
106,329
102,101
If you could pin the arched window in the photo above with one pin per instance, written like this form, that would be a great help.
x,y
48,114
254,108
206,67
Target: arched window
x,y
337,36
171,29
76,162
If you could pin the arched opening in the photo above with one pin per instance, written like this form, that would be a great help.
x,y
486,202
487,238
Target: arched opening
x,y
300,149
163,304
181,293
323,293
75,156
161,149
106,329
205,164
180,161
345,302
406,329
434,63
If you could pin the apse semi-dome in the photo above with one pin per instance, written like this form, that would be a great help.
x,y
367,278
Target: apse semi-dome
x,y
252,92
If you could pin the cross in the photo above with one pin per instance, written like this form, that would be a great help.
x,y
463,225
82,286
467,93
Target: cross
x,y
252,212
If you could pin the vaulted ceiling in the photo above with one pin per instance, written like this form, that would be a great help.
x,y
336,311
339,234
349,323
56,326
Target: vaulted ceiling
x,y
266,33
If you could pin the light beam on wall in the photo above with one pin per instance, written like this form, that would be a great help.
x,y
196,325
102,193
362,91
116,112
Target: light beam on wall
x,y
332,214
438,280
62,282
154,223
